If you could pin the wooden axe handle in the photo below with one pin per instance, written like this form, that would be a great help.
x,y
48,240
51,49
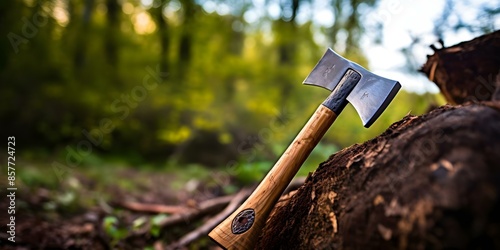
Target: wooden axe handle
x,y
242,229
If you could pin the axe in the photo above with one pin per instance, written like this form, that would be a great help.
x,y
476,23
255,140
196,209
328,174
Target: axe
x,y
370,94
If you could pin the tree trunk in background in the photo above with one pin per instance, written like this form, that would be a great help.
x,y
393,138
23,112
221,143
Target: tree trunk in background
x,y
10,12
186,40
286,46
352,23
347,19
467,71
161,22
81,41
286,28
165,44
237,39
428,182
111,43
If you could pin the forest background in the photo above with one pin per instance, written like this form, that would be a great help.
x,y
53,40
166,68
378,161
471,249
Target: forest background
x,y
203,91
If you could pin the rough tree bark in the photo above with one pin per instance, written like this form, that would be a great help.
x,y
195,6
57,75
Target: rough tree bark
x,y
428,182
466,71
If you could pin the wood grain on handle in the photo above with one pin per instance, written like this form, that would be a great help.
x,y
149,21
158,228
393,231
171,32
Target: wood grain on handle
x,y
265,196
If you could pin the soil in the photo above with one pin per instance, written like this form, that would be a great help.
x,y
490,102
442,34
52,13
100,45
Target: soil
x,y
79,225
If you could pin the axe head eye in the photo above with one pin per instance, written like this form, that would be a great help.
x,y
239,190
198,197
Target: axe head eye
x,y
371,95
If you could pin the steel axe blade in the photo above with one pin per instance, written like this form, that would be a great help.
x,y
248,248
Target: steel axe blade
x,y
348,82
371,94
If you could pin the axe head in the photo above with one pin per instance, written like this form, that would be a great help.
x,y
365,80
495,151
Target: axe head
x,y
372,93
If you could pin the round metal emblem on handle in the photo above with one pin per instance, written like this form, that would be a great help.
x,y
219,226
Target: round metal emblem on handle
x,y
243,221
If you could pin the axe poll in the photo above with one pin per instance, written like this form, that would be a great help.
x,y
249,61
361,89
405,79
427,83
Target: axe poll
x,y
370,94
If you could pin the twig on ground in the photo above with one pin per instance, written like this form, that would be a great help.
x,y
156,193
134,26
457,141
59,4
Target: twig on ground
x,y
153,208
204,208
213,206
211,223
235,202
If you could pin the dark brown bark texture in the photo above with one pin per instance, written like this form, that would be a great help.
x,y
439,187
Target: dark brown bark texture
x,y
469,71
428,182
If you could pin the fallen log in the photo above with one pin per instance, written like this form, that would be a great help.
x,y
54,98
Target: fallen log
x,y
428,182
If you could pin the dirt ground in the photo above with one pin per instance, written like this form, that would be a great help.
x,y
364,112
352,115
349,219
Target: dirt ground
x,y
46,220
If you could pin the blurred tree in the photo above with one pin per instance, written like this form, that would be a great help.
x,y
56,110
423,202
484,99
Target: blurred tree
x,y
453,21
113,12
82,31
347,27
188,27
230,77
285,29
9,12
162,24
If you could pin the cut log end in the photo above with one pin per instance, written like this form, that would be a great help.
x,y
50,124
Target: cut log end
x,y
466,72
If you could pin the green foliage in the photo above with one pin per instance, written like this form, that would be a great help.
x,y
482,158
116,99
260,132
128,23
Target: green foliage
x,y
318,155
37,176
172,82
155,224
252,172
189,172
111,228
348,128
